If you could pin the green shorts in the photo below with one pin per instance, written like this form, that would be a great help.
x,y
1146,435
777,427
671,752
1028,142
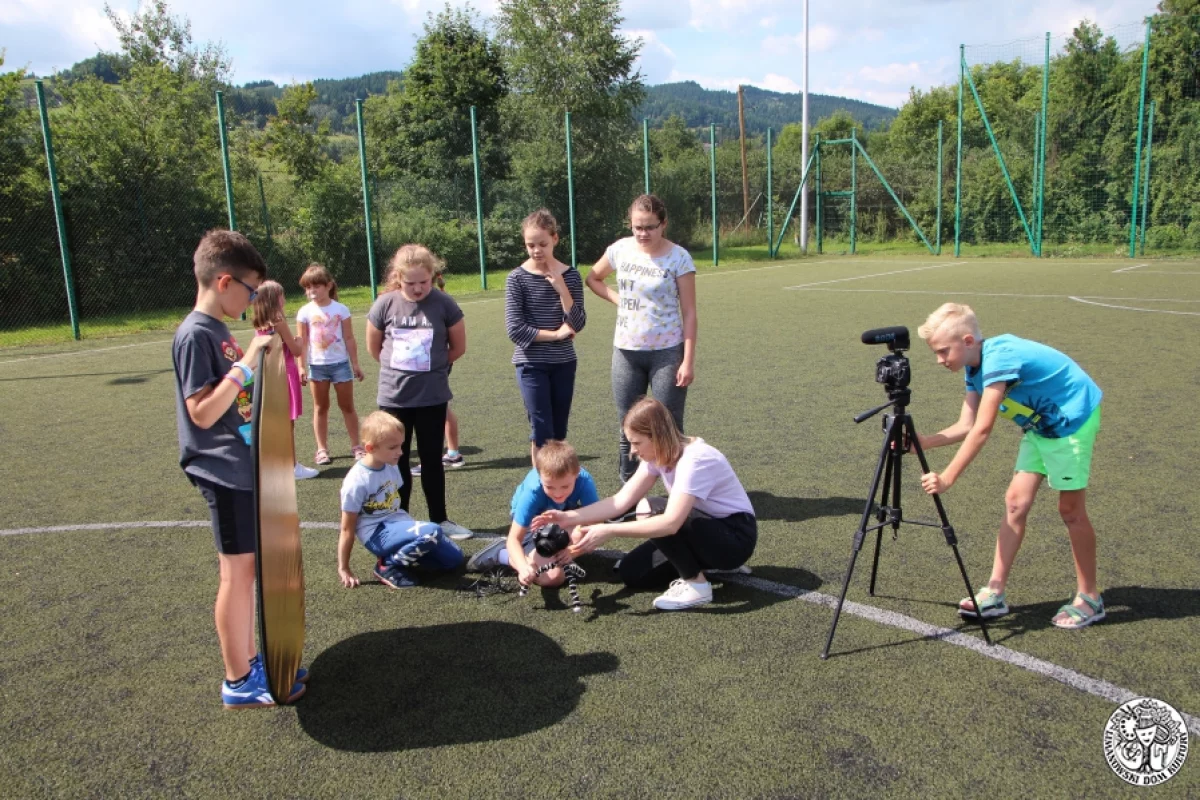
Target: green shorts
x,y
1066,462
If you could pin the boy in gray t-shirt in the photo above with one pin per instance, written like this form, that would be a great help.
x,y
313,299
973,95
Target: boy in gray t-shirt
x,y
212,400
371,513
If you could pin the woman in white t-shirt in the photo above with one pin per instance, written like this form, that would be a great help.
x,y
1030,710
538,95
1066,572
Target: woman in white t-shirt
x,y
706,522
654,347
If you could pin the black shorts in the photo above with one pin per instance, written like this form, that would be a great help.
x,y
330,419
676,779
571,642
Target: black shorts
x,y
234,516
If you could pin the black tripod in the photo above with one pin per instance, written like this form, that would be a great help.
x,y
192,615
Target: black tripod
x,y
898,433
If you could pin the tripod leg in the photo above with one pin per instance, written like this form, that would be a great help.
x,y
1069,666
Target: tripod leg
x,y
891,489
859,536
947,528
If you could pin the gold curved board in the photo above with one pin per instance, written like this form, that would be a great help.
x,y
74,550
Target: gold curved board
x,y
280,566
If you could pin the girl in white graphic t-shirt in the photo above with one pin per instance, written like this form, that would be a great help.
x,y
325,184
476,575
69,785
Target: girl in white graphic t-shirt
x,y
332,357
706,522
654,347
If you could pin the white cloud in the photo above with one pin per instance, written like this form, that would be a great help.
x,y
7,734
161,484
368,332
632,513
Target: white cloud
x,y
892,73
655,60
821,38
779,83
656,16
771,82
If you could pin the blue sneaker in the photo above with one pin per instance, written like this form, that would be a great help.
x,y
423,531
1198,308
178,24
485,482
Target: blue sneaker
x,y
254,692
301,672
393,576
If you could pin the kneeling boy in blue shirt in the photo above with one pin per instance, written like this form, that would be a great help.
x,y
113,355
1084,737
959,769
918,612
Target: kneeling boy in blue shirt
x,y
558,481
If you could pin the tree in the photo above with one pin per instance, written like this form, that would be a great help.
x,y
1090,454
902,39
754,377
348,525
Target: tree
x,y
565,55
293,135
154,37
423,126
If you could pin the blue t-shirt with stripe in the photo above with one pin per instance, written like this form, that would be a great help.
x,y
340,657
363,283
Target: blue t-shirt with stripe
x,y
1047,392
530,499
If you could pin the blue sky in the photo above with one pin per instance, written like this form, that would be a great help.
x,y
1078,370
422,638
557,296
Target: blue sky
x,y
872,50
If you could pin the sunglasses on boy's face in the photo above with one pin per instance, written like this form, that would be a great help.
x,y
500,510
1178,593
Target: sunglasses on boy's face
x,y
646,228
253,292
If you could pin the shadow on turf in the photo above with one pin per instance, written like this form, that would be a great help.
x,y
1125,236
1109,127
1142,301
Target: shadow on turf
x,y
124,378
443,684
1122,604
798,509
729,597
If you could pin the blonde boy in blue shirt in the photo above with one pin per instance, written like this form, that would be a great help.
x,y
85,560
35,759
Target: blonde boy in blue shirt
x,y
1058,406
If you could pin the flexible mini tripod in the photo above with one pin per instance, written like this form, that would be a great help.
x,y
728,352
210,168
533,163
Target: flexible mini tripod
x,y
898,433
573,572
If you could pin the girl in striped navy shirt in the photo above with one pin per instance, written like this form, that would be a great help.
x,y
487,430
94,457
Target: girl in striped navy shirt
x,y
543,310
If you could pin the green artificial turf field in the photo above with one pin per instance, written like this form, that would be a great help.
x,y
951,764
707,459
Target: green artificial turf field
x,y
109,670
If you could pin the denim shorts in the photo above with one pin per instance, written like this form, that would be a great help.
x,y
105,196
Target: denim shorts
x,y
337,373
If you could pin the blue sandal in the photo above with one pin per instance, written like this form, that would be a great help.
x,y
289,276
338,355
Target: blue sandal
x,y
1075,617
991,604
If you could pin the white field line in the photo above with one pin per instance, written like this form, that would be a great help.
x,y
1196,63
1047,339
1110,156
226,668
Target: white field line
x,y
1069,677
1130,269
161,341
876,275
1134,308
1166,272
943,293
83,352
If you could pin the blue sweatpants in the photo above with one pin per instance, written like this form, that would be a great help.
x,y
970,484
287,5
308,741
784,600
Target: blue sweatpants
x,y
405,542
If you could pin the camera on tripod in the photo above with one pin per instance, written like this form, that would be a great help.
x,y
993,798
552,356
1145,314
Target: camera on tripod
x,y
893,369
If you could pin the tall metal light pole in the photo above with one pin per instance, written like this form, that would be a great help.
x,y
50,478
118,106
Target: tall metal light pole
x,y
804,142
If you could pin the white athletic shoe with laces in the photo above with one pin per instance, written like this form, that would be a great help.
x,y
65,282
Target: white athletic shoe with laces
x,y
683,595
302,472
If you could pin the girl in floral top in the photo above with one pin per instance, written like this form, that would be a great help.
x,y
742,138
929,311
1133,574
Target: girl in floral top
x,y
654,347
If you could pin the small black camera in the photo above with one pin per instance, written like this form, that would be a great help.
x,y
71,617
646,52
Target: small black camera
x,y
550,540
892,370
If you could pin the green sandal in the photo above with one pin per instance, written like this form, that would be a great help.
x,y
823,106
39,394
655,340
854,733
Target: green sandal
x,y
991,604
1076,619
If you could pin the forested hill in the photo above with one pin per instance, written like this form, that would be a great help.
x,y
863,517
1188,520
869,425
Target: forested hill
x,y
700,107
335,96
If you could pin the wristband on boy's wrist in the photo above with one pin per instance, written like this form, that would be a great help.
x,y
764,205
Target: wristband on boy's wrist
x,y
247,373
233,378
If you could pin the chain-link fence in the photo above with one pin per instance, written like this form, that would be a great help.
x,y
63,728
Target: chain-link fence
x,y
1054,160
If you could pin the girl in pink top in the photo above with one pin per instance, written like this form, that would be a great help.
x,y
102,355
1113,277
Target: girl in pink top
x,y
268,317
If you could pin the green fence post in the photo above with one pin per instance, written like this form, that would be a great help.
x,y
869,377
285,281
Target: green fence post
x,y
479,200
819,221
787,219
938,233
853,189
366,189
1012,189
712,160
878,174
1137,164
646,150
1037,197
1041,189
962,64
262,199
571,188
1146,190
770,203
225,160
60,221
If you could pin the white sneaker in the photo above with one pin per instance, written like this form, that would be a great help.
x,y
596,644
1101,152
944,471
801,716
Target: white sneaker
x,y
683,595
302,472
455,531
